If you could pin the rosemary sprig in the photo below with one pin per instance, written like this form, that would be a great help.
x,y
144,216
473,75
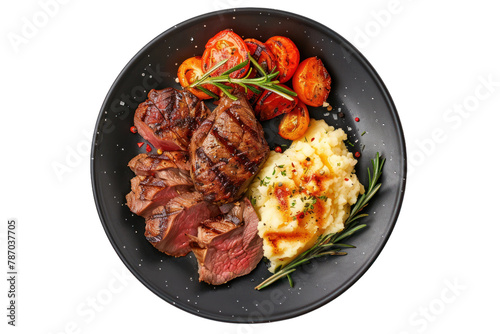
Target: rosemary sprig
x,y
265,81
329,244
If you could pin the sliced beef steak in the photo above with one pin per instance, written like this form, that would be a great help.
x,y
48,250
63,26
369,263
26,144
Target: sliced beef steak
x,y
229,246
168,118
170,166
149,192
227,151
167,227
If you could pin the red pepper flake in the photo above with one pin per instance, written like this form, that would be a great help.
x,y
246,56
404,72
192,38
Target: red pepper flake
x,y
293,165
357,119
346,179
301,215
294,170
140,144
357,154
278,149
133,129
148,148
312,139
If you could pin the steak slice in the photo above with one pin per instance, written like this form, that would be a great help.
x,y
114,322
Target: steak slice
x,y
168,118
167,227
170,166
228,247
227,151
149,192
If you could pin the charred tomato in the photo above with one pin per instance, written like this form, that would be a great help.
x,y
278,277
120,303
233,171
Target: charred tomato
x,y
262,54
295,123
287,56
225,45
312,82
271,104
191,71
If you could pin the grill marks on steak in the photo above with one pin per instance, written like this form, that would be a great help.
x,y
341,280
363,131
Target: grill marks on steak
x,y
159,179
167,227
171,166
149,192
229,246
227,150
168,118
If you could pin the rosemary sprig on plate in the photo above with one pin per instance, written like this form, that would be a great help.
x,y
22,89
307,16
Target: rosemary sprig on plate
x,y
265,81
329,244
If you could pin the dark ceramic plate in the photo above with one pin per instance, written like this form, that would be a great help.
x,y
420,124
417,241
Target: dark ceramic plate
x,y
357,91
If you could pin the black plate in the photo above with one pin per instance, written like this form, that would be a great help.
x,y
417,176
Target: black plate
x,y
357,91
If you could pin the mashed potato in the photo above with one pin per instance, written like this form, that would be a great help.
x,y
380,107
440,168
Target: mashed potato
x,y
304,192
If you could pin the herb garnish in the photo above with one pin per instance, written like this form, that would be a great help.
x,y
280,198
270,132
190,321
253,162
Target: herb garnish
x,y
265,81
265,181
329,244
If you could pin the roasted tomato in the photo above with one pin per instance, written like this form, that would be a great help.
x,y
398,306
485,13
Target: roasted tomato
x,y
270,105
261,53
312,82
190,71
287,56
225,45
295,123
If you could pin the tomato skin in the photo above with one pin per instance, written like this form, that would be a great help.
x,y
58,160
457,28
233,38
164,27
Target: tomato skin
x,y
266,59
190,71
311,82
270,105
295,123
225,45
262,54
287,56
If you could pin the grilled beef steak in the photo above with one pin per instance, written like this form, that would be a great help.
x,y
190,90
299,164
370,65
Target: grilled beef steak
x,y
229,246
149,192
167,226
171,166
168,118
227,151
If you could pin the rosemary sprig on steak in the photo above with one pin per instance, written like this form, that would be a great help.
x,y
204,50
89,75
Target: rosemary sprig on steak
x,y
329,244
265,81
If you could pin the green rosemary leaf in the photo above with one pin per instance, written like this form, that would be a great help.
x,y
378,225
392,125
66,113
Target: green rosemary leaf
x,y
208,92
235,68
349,232
255,90
290,280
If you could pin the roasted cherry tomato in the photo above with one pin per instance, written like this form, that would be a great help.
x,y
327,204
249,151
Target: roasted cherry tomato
x,y
225,45
261,53
270,105
287,56
295,123
190,71
312,82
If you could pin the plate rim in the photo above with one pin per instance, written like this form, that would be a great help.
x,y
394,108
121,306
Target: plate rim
x,y
402,180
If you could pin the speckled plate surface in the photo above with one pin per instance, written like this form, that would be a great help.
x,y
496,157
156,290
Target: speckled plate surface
x,y
357,91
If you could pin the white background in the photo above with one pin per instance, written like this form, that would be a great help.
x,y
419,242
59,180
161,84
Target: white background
x,y
438,271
